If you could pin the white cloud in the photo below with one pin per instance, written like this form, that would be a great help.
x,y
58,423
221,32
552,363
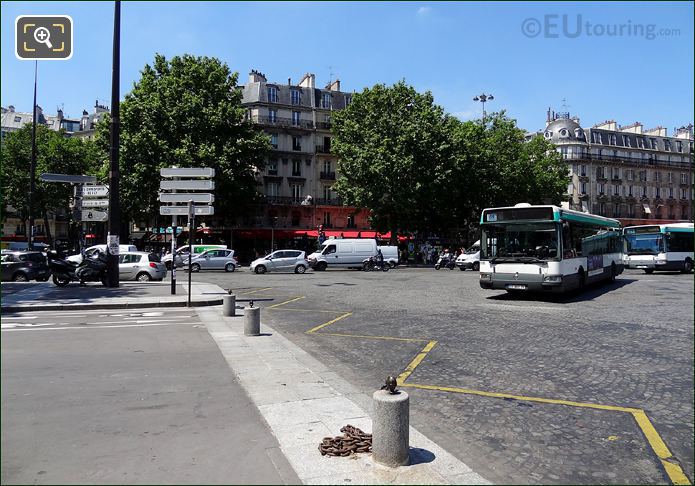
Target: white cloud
x,y
424,10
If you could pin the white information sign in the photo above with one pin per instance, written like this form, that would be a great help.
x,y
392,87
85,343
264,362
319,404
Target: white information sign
x,y
112,243
183,210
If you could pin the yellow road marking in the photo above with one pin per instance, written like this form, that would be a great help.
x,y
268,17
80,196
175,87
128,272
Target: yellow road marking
x,y
674,471
554,401
254,291
321,326
415,362
323,311
286,302
389,338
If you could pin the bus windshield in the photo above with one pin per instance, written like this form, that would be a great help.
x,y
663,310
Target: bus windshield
x,y
644,244
525,243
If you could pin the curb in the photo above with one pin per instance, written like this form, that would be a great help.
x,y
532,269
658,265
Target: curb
x,y
124,305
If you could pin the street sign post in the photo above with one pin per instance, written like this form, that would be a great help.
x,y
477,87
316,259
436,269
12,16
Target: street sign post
x,y
183,210
201,185
198,197
206,172
70,179
86,215
95,191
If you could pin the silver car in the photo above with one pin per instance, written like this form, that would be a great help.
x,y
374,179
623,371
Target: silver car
x,y
281,261
213,260
141,266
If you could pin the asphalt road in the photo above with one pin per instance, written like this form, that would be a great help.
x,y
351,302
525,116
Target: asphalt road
x,y
127,397
513,385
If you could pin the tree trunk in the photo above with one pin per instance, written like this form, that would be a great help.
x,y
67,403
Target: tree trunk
x,y
394,236
49,238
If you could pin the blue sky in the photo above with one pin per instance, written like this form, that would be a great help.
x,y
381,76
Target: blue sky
x,y
455,50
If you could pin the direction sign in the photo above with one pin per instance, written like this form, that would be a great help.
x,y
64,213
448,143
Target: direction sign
x,y
202,185
198,197
87,215
95,191
183,210
95,203
72,179
187,172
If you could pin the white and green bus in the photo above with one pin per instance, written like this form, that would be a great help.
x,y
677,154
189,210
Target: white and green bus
x,y
659,247
547,248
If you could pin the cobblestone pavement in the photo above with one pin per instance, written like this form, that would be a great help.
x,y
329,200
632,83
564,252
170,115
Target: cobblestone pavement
x,y
627,344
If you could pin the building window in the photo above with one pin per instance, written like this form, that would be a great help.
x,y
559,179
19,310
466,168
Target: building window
x,y
616,210
640,142
670,177
17,119
630,174
297,143
613,139
583,187
616,190
644,191
563,151
643,176
272,166
297,190
602,209
657,176
272,116
295,96
679,146
684,194
670,192
327,193
272,94
655,145
326,101
295,118
272,189
658,192
327,166
596,136
629,190
327,219
351,221
684,178
296,217
615,172
583,170
297,167
631,211
348,99
667,145
626,141
600,188
274,140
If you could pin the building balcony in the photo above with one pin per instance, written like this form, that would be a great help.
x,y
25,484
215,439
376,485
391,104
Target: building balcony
x,y
282,122
627,159
283,201
323,149
323,125
327,176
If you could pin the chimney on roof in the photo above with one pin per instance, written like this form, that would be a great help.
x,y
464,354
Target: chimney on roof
x,y
658,131
257,77
634,128
334,86
685,132
11,108
308,81
289,81
607,125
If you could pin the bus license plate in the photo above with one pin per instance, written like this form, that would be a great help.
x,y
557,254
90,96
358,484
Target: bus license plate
x,y
516,287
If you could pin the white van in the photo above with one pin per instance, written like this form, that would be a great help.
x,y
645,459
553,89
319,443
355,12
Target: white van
x,y
182,254
470,258
390,254
342,253
77,258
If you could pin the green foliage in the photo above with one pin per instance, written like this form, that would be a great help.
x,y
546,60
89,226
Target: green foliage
x,y
186,112
54,153
417,168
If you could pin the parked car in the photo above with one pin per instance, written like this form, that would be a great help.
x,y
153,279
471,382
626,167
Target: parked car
x,y
344,252
141,266
182,254
470,259
22,266
77,258
281,261
212,260
390,254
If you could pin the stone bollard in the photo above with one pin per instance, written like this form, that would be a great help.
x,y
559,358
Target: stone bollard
x,y
390,428
252,321
229,305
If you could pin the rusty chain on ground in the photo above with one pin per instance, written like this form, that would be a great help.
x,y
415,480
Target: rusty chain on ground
x,y
351,442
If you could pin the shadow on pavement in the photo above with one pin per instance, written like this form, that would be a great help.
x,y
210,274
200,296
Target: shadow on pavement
x,y
590,292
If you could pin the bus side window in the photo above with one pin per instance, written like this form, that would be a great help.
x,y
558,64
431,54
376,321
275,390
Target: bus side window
x,y
568,250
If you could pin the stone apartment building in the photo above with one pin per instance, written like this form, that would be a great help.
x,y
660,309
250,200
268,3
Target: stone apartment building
x,y
627,172
301,169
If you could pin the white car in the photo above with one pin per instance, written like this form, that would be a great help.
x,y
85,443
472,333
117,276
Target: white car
x,y
77,258
281,261
470,259
219,259
140,266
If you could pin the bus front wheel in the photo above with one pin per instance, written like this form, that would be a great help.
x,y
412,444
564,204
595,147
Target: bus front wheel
x,y
687,266
649,270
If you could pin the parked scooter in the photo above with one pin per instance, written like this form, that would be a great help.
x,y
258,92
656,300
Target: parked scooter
x,y
445,260
92,269
373,263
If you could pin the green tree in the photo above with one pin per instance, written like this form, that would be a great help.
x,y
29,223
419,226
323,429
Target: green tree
x,y
394,153
55,153
186,112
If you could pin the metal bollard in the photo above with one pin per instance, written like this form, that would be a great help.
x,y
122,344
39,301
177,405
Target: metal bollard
x,y
252,321
229,305
390,428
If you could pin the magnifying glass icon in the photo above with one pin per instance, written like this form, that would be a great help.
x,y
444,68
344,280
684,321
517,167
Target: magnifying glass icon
x,y
43,36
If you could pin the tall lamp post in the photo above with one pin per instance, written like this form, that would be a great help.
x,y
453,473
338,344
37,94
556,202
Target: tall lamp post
x,y
114,202
32,166
483,98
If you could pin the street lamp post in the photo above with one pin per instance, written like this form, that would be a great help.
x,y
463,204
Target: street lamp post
x,y
483,98
32,166
114,176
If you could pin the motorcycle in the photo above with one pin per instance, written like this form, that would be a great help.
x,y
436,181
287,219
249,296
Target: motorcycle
x,y
372,263
92,269
447,261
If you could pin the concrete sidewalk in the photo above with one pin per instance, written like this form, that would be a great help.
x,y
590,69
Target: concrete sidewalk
x,y
303,401
45,296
